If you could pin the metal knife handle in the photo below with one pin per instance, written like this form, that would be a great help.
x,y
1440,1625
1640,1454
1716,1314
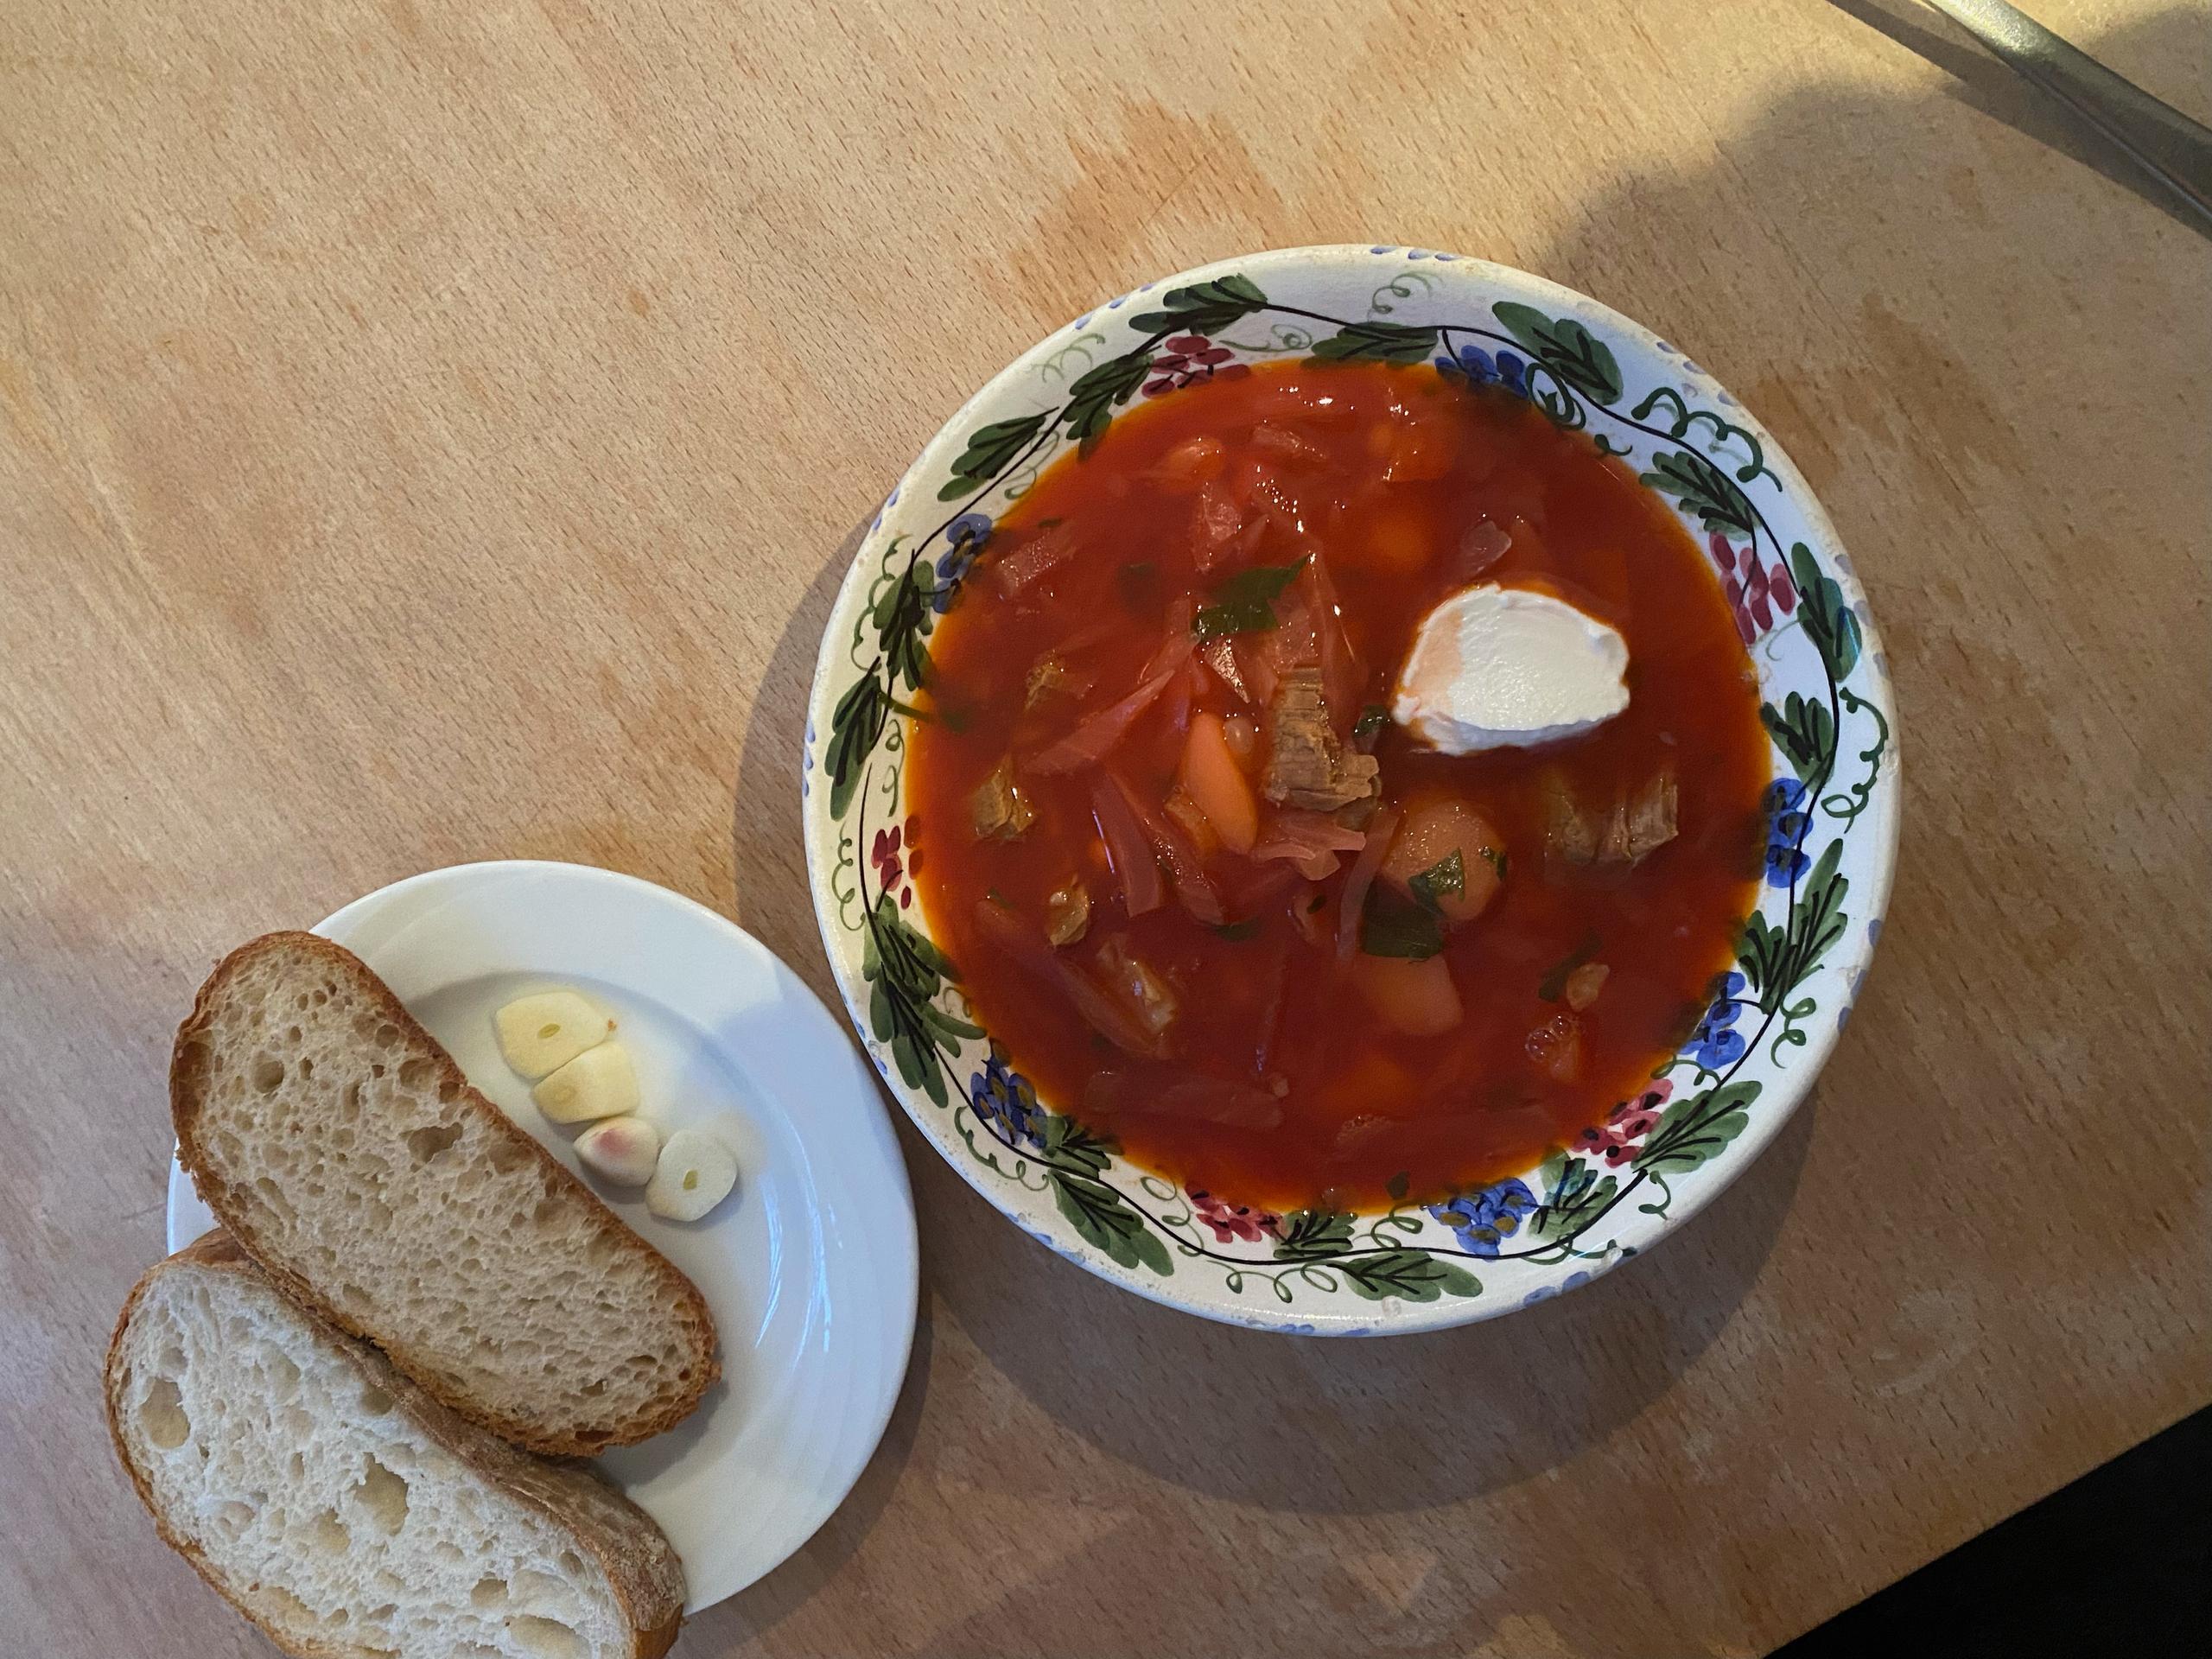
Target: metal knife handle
x,y
2161,138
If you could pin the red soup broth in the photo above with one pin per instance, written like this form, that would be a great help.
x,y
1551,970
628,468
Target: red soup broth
x,y
1285,1069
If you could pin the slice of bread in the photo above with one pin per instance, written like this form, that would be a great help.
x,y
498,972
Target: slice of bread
x,y
344,1150
347,1514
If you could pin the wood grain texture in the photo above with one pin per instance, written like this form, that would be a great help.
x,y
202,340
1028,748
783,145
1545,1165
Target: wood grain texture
x,y
433,433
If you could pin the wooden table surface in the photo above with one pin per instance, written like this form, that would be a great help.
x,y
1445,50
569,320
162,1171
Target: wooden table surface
x,y
436,433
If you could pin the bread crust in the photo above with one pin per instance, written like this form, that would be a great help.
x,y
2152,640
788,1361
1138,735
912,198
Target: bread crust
x,y
640,1564
189,1075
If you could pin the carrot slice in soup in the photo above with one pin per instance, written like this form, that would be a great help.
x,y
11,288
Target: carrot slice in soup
x,y
1216,783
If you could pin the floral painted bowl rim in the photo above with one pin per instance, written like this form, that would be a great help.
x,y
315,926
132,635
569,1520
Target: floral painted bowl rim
x,y
1532,1236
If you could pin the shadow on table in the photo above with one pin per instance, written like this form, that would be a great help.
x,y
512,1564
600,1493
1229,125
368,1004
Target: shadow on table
x,y
1987,84
1338,1425
765,835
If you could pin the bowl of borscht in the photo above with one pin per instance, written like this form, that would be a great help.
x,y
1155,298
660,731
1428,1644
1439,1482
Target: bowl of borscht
x,y
1350,790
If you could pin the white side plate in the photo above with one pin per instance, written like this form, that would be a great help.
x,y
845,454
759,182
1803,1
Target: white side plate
x,y
810,1267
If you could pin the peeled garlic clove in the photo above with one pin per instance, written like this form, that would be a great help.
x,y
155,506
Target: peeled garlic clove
x,y
696,1173
542,1033
625,1150
598,1082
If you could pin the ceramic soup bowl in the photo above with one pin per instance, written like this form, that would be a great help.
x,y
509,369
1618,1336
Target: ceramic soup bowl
x,y
1660,1157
